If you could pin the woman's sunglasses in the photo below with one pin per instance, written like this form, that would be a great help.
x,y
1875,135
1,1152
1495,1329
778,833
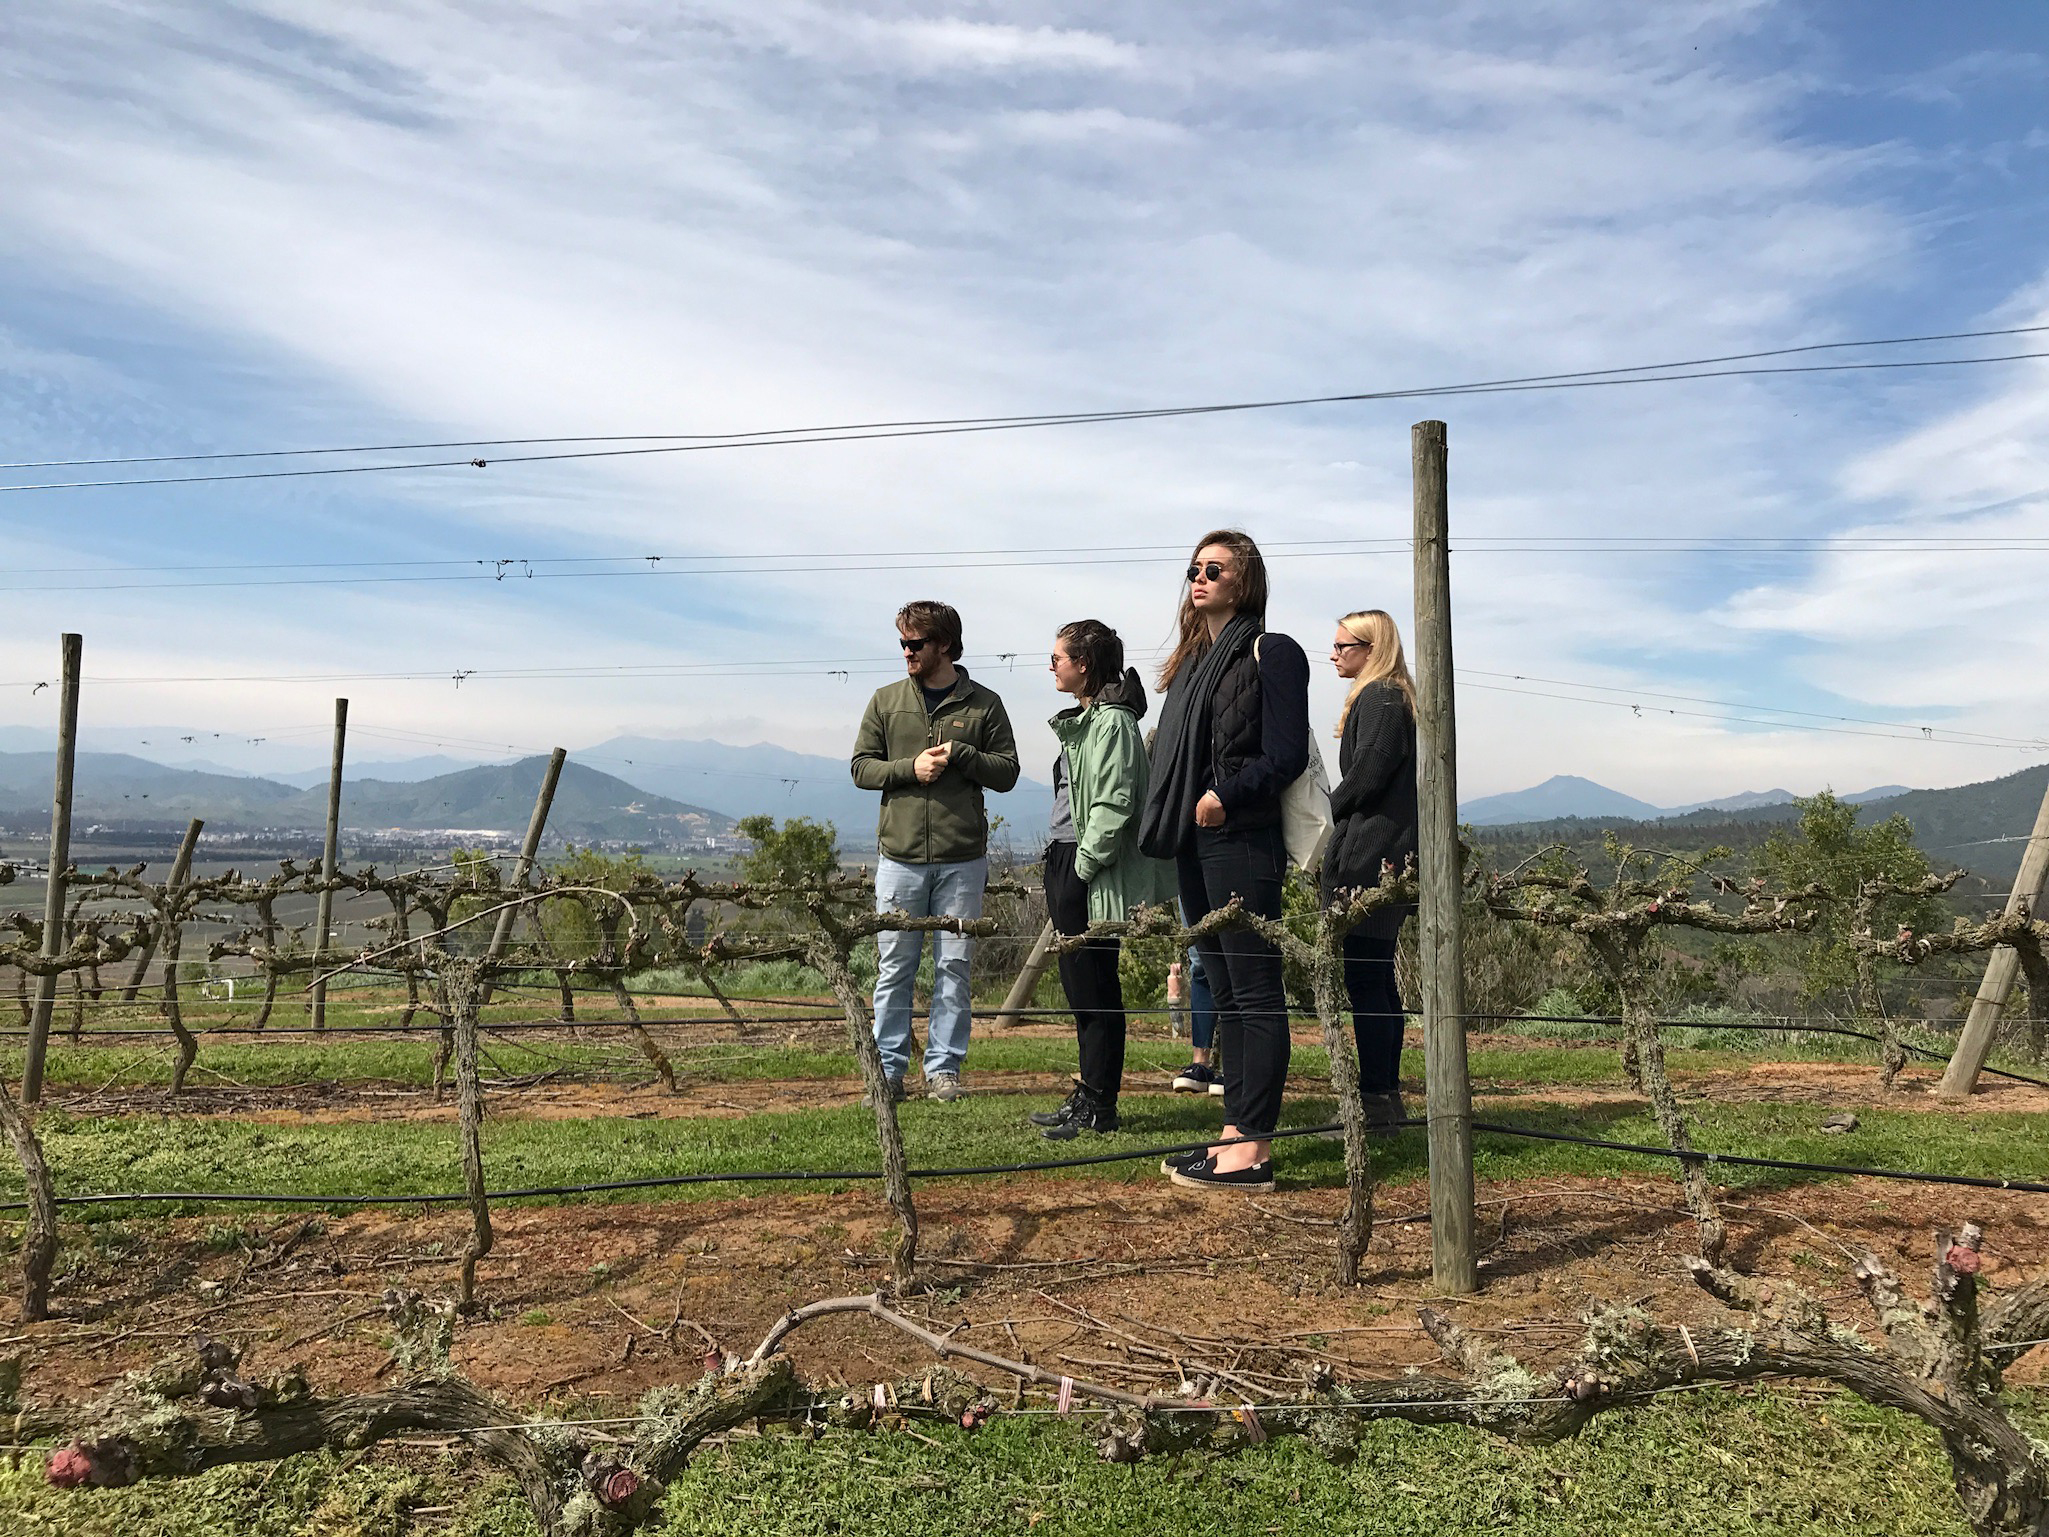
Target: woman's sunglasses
x,y
1213,571
1351,645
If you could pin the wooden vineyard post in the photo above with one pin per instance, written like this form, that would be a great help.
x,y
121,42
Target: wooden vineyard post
x,y
1974,1045
323,924
528,851
1019,997
60,861
181,865
460,998
1449,1091
171,925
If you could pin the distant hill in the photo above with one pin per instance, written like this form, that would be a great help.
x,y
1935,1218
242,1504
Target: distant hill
x,y
1568,795
394,770
1562,795
112,786
774,781
589,804
1982,827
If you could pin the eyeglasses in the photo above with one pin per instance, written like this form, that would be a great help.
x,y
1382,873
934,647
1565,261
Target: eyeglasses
x,y
1214,571
914,643
1351,645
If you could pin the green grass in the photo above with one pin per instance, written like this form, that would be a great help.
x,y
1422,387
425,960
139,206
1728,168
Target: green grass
x,y
219,1153
1708,1463
307,1060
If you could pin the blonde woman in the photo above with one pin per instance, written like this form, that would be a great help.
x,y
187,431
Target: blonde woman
x,y
1373,812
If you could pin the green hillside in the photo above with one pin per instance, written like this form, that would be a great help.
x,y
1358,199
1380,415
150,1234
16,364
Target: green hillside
x,y
500,797
1982,827
115,788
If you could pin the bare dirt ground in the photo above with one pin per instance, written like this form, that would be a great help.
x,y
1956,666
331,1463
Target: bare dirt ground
x,y
1135,1284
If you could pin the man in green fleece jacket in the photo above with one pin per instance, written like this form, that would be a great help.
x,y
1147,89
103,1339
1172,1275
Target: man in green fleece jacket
x,y
931,744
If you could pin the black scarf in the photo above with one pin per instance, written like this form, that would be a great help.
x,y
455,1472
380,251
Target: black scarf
x,y
1181,751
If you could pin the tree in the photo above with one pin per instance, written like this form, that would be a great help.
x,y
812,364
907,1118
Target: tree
x,y
800,850
1830,850
572,929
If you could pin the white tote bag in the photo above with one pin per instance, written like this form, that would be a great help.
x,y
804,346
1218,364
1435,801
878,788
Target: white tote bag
x,y
1305,809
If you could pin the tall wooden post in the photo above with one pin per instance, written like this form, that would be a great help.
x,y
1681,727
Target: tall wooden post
x,y
1974,1045
1019,998
529,850
1450,1093
323,923
60,862
181,866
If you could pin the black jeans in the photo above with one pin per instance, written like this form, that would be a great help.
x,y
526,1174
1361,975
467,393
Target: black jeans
x,y
1377,1017
1095,994
1244,970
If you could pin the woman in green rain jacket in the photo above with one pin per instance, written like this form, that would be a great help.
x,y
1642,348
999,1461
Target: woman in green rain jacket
x,y
1094,870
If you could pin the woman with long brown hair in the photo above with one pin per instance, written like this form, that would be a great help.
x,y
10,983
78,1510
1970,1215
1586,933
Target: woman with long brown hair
x,y
1373,817
1234,734
1094,871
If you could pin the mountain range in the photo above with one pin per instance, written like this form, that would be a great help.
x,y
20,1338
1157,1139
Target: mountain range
x,y
1981,827
662,792
770,780
1568,795
589,805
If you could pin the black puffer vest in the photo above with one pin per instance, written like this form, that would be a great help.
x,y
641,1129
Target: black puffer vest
x,y
1236,737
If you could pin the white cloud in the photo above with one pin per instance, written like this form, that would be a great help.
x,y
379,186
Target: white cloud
x,y
1091,125
626,217
954,43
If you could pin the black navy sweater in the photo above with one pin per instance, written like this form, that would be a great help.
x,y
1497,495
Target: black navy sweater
x,y
1373,804
1259,731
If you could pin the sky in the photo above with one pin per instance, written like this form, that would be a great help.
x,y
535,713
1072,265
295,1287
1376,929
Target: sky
x,y
238,227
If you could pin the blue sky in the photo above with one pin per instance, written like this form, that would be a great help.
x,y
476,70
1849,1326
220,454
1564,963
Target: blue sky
x,y
281,225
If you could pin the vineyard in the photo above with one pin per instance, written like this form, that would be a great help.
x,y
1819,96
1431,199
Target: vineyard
x,y
536,1173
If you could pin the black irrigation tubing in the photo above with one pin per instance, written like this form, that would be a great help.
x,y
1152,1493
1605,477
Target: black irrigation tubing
x,y
514,1026
798,1176
1977,1181
502,1027
1771,1026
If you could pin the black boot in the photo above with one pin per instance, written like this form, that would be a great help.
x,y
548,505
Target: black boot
x,y
1089,1114
1060,1113
1384,1113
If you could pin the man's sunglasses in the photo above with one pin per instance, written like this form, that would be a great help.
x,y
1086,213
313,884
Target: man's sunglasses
x,y
1214,571
914,643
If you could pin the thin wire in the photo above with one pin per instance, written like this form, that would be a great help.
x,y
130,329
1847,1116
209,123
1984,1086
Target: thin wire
x,y
804,564
1523,381
518,568
767,440
785,1176
1935,734
848,668
1732,704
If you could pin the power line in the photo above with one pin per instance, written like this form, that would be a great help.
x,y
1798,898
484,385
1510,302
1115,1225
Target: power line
x,y
847,669
642,566
1982,738
1933,734
1651,373
992,421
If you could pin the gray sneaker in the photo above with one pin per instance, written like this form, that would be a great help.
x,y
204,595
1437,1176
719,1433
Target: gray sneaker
x,y
944,1087
894,1089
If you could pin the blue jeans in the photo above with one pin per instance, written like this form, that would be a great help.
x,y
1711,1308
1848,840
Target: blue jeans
x,y
925,891
1202,1005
